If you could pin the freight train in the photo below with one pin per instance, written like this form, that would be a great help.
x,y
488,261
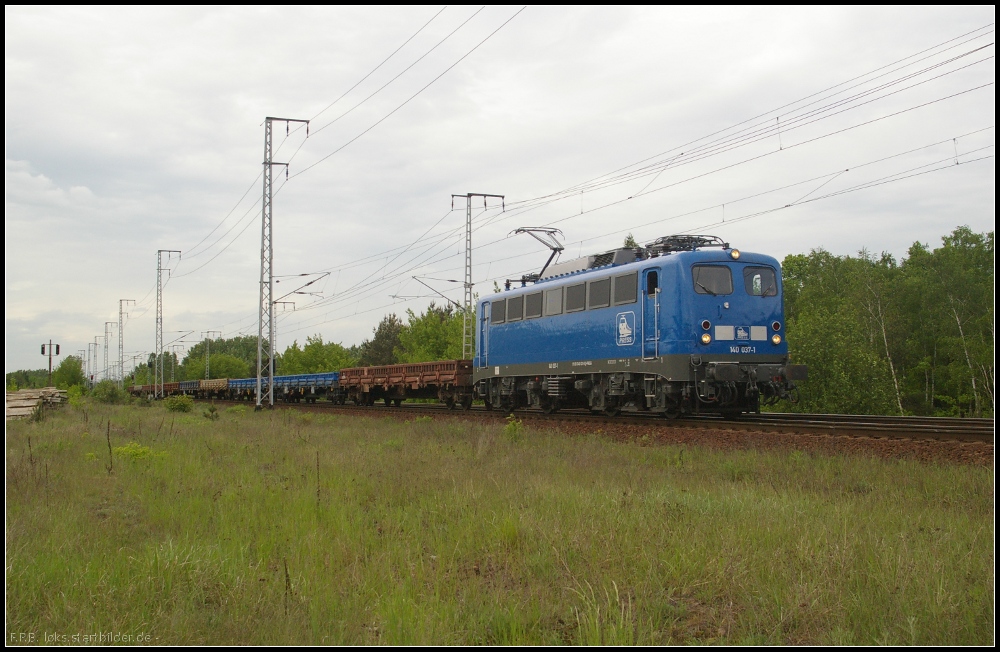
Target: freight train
x,y
684,325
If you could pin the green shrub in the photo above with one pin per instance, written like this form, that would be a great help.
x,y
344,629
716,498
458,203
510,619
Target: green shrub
x,y
107,391
135,451
75,395
514,429
178,403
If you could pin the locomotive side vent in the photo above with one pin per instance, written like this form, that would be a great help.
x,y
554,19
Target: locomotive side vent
x,y
600,260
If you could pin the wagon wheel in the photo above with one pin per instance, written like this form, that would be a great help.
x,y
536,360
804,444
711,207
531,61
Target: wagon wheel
x,y
507,405
466,402
388,401
397,402
450,402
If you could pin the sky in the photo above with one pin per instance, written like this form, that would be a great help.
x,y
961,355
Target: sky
x,y
781,130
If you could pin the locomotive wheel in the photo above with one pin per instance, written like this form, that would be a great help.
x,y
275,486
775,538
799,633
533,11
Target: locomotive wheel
x,y
612,411
672,413
488,405
731,415
550,406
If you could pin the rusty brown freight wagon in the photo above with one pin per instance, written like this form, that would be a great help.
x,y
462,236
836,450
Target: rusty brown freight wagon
x,y
449,381
149,390
214,388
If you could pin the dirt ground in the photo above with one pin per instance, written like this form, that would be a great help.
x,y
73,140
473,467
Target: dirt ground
x,y
947,452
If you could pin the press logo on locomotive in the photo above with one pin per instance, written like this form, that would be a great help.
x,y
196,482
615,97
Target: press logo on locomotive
x,y
626,328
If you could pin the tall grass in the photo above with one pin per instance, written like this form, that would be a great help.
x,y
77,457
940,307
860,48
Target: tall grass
x,y
289,527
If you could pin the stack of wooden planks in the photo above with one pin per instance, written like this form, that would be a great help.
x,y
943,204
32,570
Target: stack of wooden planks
x,y
24,403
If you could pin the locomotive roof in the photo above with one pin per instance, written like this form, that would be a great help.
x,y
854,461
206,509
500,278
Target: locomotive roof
x,y
626,259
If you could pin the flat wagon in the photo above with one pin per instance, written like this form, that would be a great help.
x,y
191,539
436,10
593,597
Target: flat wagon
x,y
449,381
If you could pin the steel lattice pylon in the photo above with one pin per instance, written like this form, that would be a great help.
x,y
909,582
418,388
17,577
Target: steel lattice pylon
x,y
158,361
468,339
107,348
121,341
265,327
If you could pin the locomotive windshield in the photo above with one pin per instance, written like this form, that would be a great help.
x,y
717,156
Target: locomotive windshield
x,y
712,279
760,281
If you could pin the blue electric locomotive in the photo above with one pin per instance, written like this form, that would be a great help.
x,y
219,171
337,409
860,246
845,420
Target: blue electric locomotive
x,y
683,325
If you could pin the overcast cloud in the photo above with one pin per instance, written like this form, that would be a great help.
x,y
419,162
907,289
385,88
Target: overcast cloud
x,y
132,130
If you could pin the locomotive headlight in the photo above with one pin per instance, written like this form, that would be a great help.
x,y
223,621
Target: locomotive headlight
x,y
776,339
735,253
706,338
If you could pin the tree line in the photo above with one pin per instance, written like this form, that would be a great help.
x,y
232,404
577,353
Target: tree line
x,y
880,336
885,337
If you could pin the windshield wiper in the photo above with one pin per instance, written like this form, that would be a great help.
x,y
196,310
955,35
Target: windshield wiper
x,y
705,289
765,292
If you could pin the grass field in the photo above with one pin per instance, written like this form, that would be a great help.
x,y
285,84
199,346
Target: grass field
x,y
292,527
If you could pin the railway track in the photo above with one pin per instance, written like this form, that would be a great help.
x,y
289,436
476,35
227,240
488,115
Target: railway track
x,y
861,426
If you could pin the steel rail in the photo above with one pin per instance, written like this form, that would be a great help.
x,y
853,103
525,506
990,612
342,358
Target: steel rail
x,y
861,426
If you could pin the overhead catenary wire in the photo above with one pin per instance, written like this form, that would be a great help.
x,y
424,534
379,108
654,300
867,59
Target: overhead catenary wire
x,y
653,171
827,177
194,250
384,61
744,139
760,118
786,148
576,189
409,99
401,73
278,190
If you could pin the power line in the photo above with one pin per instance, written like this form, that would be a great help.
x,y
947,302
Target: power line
x,y
328,106
771,112
401,73
216,228
515,213
408,100
249,213
828,177
675,161
254,182
577,187
655,171
742,139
